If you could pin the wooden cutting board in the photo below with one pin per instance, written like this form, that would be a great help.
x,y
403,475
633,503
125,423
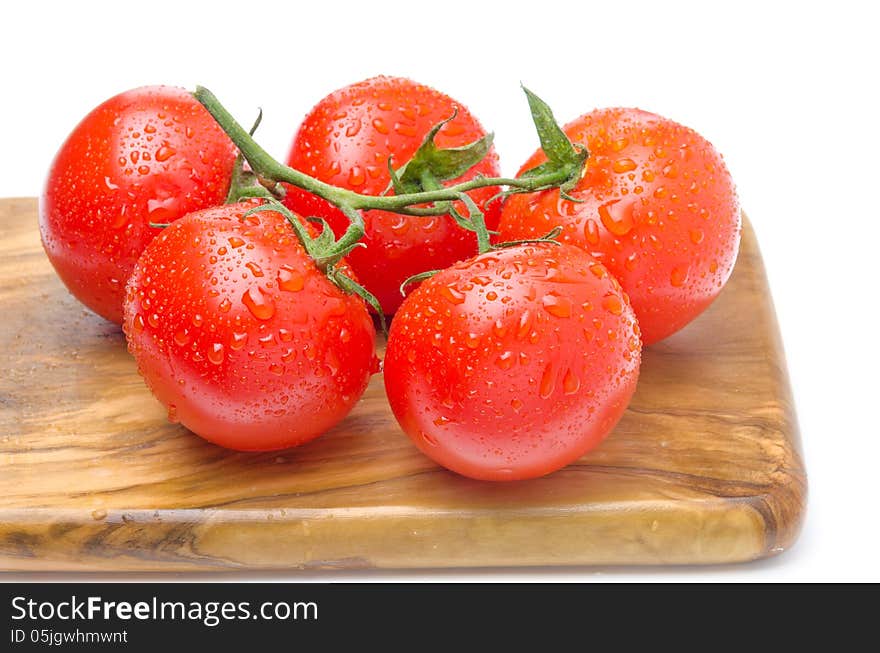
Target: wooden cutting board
x,y
704,467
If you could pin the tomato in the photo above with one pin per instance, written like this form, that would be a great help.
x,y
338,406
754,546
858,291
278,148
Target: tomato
x,y
514,363
346,141
240,335
151,154
657,207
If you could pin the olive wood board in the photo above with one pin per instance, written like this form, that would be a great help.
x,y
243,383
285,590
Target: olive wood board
x,y
704,467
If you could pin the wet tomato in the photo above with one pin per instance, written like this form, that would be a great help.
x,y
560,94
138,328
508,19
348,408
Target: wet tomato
x,y
346,140
514,363
151,154
240,335
657,207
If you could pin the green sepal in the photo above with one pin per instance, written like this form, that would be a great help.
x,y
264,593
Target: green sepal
x,y
550,237
431,165
416,278
326,251
561,153
325,240
351,287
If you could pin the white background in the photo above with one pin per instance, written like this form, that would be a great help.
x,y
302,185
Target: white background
x,y
785,91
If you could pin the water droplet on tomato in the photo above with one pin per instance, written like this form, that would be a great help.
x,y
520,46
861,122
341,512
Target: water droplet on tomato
x,y
256,301
400,225
452,294
696,236
353,128
623,165
616,216
255,269
612,304
162,209
164,153
238,341
216,353
235,242
525,324
284,335
472,340
548,382
356,176
332,362
506,360
405,130
557,305
181,337
570,383
290,279
591,231
679,276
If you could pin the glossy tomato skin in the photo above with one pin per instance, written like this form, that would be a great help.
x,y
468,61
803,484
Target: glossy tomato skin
x,y
513,364
240,336
658,209
151,154
346,140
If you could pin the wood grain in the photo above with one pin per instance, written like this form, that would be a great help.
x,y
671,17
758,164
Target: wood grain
x,y
704,467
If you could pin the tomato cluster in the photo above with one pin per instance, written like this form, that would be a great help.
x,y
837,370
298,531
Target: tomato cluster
x,y
249,318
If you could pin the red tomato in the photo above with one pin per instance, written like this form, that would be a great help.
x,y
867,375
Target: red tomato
x,y
514,363
239,334
148,155
658,209
346,141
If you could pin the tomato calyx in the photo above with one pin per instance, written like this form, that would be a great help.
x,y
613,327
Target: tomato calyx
x,y
431,165
562,154
327,251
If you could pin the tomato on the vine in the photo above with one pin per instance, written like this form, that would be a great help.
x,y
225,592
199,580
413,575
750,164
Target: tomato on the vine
x,y
656,206
152,154
240,335
514,363
347,139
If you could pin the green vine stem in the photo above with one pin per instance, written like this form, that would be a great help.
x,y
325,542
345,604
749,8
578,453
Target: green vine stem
x,y
271,172
417,185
